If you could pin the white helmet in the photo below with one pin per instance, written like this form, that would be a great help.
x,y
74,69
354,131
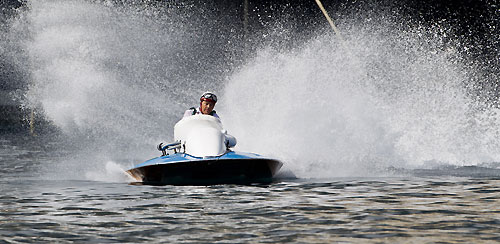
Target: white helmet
x,y
208,96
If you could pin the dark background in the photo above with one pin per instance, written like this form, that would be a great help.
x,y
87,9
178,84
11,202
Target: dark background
x,y
476,21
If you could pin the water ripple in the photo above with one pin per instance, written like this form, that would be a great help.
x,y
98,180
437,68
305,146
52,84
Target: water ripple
x,y
350,210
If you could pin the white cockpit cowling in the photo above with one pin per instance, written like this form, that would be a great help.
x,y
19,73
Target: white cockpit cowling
x,y
203,136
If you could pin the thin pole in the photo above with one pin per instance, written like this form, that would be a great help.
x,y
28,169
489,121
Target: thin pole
x,y
32,122
245,24
329,19
245,16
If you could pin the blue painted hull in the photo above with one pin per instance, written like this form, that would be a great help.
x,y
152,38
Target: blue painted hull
x,y
184,169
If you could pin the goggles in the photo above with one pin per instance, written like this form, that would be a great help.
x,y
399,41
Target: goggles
x,y
209,96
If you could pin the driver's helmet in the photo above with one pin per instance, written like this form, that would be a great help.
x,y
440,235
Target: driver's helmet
x,y
208,96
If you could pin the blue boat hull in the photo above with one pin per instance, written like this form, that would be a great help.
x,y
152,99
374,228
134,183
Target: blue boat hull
x,y
183,169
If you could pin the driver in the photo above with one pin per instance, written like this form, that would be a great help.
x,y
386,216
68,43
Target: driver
x,y
207,104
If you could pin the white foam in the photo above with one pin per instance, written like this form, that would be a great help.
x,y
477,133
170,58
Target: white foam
x,y
113,172
389,100
109,77
112,80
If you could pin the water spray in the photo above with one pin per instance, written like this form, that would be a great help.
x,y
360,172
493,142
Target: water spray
x,y
399,102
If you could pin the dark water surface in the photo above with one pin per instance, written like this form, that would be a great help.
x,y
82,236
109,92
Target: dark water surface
x,y
411,209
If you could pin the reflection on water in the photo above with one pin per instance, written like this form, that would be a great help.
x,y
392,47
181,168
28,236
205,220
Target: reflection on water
x,y
347,210
420,205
